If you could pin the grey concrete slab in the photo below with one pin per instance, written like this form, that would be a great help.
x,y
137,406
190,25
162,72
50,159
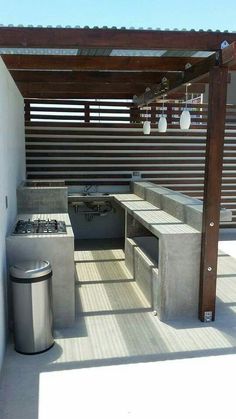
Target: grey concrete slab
x,y
126,197
151,218
139,188
194,215
179,272
130,244
175,204
143,275
137,206
155,195
42,199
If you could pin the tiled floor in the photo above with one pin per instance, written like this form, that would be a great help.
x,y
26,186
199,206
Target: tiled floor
x,y
114,327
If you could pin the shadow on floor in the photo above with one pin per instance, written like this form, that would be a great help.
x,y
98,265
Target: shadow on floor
x,y
98,244
120,335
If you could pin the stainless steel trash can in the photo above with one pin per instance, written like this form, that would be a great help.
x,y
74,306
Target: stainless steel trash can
x,y
32,306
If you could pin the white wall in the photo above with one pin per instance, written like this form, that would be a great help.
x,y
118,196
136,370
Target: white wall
x,y
12,172
231,93
231,90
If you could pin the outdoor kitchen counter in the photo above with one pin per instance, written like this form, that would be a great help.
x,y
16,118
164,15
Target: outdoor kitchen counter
x,y
58,248
58,216
170,283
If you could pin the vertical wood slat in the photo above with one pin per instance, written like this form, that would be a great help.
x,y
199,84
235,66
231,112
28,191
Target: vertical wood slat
x,y
135,115
27,110
86,113
153,115
169,112
212,191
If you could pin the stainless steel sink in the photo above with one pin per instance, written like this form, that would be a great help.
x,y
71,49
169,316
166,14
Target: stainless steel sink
x,y
93,196
96,194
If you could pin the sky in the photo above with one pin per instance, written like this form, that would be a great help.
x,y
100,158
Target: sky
x,y
180,14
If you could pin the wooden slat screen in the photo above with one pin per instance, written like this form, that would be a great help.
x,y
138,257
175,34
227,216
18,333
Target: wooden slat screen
x,y
79,142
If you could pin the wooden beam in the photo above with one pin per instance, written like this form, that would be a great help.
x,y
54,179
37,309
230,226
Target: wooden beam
x,y
95,87
11,37
91,96
89,76
60,62
80,87
147,77
75,95
212,191
194,73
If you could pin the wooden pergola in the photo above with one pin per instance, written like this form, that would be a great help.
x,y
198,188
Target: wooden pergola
x,y
87,68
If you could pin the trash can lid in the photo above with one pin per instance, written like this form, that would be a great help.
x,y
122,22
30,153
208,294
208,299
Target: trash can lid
x,y
30,269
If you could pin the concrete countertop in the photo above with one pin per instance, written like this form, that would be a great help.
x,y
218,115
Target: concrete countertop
x,y
55,216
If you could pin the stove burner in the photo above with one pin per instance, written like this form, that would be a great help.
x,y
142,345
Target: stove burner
x,y
40,227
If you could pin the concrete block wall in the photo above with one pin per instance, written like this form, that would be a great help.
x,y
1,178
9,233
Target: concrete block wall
x,y
176,206
178,276
139,188
37,200
171,284
12,173
185,208
156,196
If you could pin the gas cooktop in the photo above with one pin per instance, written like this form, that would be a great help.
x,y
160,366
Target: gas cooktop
x,y
40,227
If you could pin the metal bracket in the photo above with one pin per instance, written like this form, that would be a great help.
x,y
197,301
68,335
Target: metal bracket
x,y
187,66
163,87
208,316
224,44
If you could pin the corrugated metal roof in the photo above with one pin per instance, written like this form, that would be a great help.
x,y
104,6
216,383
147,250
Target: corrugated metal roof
x,y
95,51
115,27
105,52
136,53
108,51
38,51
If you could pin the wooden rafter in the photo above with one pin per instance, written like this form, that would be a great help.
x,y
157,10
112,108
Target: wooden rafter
x,y
111,38
148,77
226,57
76,95
82,63
80,87
194,73
37,87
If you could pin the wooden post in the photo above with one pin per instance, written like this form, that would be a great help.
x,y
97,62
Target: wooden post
x,y
212,191
86,114
153,114
135,115
169,112
27,110
131,115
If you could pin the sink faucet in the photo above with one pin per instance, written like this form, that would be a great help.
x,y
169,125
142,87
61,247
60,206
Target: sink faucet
x,y
90,188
